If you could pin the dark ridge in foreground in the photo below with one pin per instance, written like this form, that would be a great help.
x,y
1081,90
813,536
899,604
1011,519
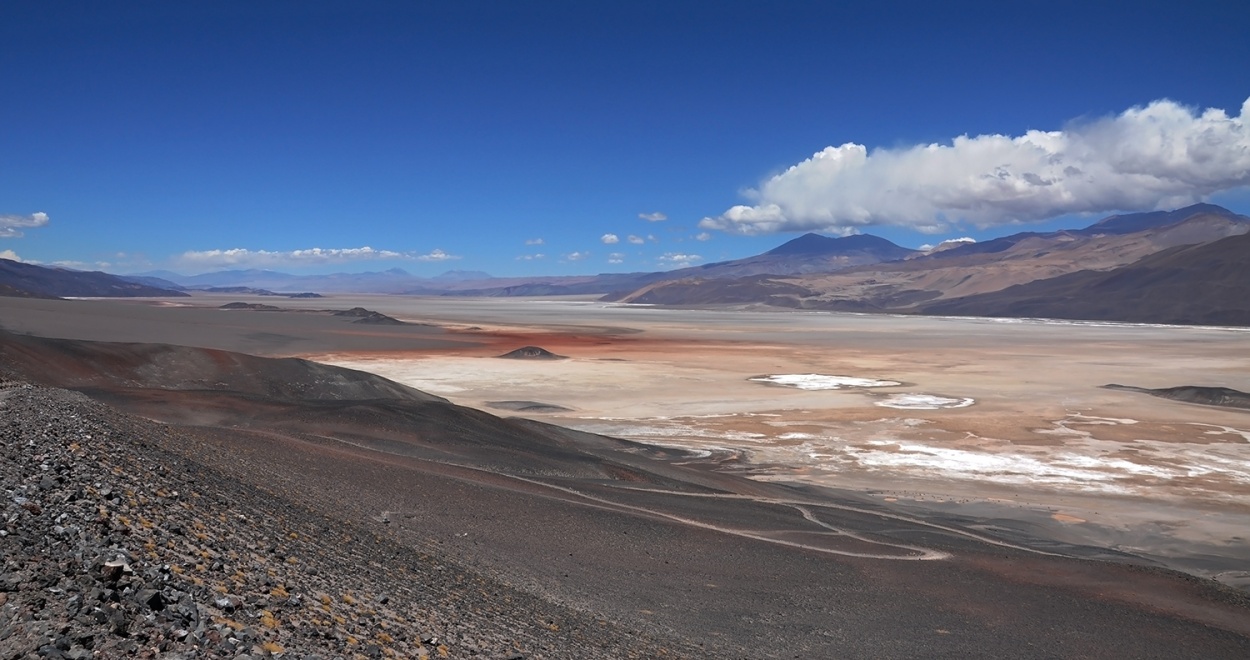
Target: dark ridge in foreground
x,y
125,366
532,353
1223,397
117,543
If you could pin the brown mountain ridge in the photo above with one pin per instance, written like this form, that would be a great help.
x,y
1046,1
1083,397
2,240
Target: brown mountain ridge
x,y
25,280
933,283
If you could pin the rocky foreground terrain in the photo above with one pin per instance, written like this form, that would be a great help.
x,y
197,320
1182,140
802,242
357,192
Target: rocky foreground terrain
x,y
115,545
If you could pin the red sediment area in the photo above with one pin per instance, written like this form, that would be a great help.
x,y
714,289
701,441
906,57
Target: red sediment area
x,y
589,344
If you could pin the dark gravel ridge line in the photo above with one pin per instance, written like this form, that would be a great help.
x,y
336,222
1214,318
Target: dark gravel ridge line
x,y
115,545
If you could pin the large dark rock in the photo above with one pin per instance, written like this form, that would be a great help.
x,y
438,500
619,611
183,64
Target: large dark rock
x,y
1223,397
532,353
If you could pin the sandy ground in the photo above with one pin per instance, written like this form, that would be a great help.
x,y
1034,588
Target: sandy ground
x,y
1027,441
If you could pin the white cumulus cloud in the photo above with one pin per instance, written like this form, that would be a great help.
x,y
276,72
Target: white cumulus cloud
x,y
576,256
947,244
11,225
534,241
531,257
678,260
616,258
653,217
703,236
243,257
72,264
10,255
436,255
1162,155
610,239
636,240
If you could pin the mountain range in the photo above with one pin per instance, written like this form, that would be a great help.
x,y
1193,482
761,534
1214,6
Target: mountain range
x,y
1120,268
1205,284
31,281
1188,265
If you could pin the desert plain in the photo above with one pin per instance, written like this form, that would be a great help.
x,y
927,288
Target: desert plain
x,y
1003,419
933,439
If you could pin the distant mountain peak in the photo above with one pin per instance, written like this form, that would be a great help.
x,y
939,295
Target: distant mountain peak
x,y
812,243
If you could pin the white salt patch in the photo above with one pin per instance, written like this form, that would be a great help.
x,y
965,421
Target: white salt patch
x,y
822,381
650,432
922,402
1118,464
1001,468
797,436
1061,429
1089,419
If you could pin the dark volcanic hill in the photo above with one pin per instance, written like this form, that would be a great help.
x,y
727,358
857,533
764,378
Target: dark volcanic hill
x,y
809,253
369,317
31,281
255,307
251,291
859,247
1223,397
531,353
1206,284
116,366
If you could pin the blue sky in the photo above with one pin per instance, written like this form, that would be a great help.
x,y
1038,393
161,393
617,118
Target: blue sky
x,y
198,136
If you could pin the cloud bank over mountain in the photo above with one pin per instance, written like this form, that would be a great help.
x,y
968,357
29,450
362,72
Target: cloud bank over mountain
x,y
1162,155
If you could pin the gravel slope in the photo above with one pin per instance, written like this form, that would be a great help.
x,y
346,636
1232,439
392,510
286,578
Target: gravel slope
x,y
115,545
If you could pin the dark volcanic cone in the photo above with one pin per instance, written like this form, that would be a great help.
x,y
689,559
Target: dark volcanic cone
x,y
369,317
378,318
527,406
355,311
532,353
1208,396
260,307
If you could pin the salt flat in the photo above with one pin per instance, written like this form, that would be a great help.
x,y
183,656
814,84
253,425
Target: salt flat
x,y
1005,418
